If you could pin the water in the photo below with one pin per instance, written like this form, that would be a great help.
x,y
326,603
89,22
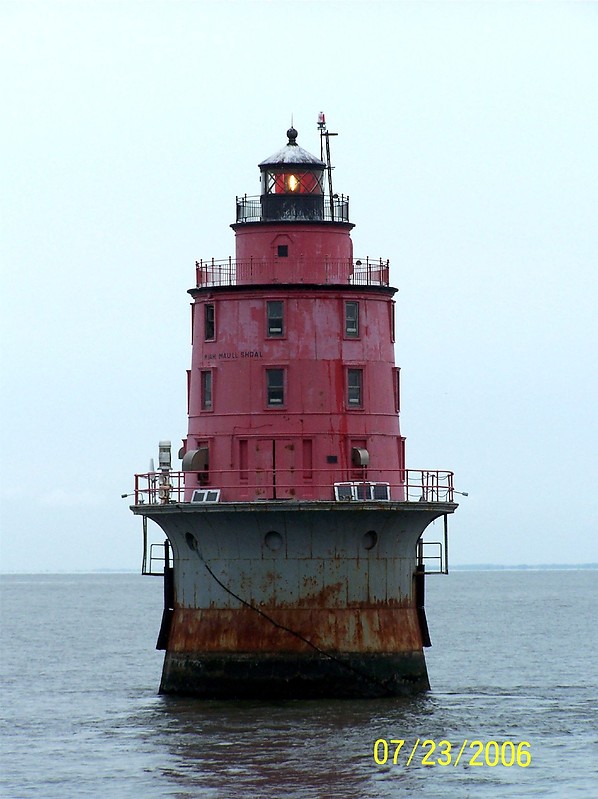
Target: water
x,y
514,659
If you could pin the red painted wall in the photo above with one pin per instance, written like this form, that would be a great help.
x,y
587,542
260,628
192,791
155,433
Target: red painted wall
x,y
302,446
313,250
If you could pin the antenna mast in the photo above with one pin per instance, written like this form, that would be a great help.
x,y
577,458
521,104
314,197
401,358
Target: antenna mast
x,y
324,134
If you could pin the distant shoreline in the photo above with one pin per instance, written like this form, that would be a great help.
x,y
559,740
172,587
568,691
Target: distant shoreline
x,y
479,567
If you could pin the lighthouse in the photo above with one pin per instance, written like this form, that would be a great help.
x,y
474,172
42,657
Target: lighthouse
x,y
293,558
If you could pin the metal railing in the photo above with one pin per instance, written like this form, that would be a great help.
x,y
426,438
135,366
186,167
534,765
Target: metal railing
x,y
332,209
431,555
232,485
348,271
154,564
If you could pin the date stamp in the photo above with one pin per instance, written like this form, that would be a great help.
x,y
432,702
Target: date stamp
x,y
426,752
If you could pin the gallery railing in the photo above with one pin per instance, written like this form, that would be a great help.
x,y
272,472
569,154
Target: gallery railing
x,y
403,485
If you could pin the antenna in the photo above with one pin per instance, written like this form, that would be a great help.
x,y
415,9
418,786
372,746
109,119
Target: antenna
x,y
321,128
324,134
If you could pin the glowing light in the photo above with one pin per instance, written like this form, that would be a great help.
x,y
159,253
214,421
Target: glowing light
x,y
293,182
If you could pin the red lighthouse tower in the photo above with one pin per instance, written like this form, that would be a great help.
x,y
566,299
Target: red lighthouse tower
x,y
293,561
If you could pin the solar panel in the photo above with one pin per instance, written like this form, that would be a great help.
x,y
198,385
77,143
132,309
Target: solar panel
x,y
381,491
205,495
343,491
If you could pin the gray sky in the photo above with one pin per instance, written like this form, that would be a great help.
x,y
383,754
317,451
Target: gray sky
x,y
469,147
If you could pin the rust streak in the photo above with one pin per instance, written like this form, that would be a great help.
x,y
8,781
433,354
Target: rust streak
x,y
335,630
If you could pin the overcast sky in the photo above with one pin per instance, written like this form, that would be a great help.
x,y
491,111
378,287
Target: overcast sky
x,y
468,143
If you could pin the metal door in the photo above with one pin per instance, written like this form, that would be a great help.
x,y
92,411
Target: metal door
x,y
275,468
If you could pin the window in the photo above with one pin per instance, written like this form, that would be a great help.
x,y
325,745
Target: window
x,y
209,322
275,314
275,386
354,387
283,250
209,327
206,391
294,183
352,319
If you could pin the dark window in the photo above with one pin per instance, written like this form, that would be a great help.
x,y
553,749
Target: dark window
x,y
354,387
275,312
275,386
206,391
209,327
283,250
352,319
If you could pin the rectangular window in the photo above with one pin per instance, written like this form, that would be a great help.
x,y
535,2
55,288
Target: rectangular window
x,y
209,326
392,320
355,388
275,314
206,390
283,250
275,386
352,319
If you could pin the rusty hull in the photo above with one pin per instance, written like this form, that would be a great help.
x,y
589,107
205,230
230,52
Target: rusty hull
x,y
329,629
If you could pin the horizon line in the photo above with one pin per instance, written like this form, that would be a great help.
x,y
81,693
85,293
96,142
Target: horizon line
x,y
457,567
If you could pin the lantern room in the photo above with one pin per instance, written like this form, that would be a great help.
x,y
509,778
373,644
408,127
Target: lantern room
x,y
292,184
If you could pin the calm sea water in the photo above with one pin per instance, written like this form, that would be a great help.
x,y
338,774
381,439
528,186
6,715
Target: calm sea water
x,y
514,658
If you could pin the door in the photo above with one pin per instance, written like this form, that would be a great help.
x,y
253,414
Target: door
x,y
275,468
